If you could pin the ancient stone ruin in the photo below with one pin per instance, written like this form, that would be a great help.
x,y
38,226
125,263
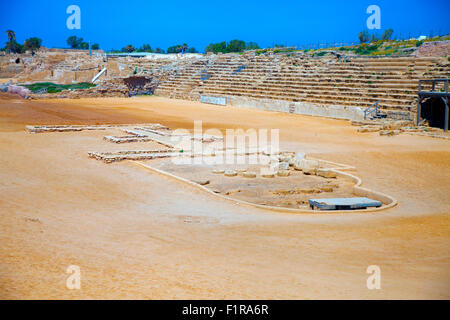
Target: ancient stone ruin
x,y
334,84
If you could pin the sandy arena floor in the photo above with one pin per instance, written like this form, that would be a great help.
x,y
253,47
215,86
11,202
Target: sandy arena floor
x,y
136,234
288,192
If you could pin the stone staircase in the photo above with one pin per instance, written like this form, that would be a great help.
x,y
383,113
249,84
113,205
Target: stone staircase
x,y
356,81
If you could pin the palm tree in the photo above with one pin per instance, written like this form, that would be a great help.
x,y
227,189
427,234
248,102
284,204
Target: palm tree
x,y
11,45
182,48
11,35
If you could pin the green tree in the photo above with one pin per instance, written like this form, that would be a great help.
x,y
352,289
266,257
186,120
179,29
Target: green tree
x,y
95,46
159,50
251,46
192,50
84,46
128,48
217,47
236,46
363,36
12,45
32,44
146,48
74,42
174,49
387,34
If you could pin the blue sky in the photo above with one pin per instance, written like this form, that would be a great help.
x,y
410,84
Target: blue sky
x,y
114,24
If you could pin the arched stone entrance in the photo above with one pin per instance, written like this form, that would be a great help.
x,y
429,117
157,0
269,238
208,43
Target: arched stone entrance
x,y
432,103
433,110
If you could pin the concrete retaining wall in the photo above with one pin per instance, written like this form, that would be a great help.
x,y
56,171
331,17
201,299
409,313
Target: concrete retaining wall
x,y
330,111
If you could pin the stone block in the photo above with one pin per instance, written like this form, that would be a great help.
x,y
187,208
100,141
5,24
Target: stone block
x,y
326,173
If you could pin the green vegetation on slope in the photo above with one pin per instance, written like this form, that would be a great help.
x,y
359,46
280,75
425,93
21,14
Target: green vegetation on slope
x,y
54,87
383,47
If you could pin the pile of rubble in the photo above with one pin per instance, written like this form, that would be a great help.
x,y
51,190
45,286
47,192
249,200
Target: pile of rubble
x,y
433,49
286,162
15,89
282,167
307,166
388,127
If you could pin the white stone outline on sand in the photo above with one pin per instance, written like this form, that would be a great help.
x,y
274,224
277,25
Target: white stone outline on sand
x,y
357,189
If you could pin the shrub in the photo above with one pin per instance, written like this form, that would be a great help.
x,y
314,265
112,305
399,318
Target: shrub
x,y
387,34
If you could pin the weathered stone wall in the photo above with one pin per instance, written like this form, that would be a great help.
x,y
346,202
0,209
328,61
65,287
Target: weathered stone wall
x,y
51,66
66,66
10,66
329,111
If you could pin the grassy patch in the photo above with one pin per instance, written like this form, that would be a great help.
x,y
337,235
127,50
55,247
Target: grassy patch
x,y
389,47
320,54
54,87
277,50
366,49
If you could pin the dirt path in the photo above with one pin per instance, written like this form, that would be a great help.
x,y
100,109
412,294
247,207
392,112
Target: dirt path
x,y
140,235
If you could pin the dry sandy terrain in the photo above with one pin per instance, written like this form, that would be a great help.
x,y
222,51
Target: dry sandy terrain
x,y
136,234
